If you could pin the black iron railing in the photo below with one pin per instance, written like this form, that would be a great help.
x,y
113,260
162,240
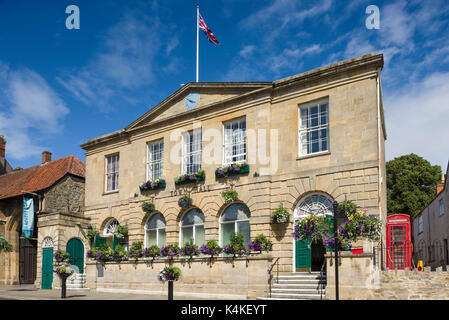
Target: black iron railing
x,y
276,262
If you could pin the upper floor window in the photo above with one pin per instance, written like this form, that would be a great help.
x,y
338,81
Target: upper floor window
x,y
112,172
154,160
234,141
420,224
191,151
314,127
441,206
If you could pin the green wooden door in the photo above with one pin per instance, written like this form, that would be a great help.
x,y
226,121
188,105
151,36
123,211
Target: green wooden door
x,y
303,255
75,248
47,268
330,223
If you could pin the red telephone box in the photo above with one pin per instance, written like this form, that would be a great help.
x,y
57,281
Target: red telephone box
x,y
399,245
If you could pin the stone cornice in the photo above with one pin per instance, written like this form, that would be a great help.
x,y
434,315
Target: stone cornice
x,y
370,61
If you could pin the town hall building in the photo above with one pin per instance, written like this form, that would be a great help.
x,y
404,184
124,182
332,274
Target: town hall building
x,y
305,140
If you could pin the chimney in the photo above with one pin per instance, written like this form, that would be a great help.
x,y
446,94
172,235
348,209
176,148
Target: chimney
x,y
46,156
440,185
2,147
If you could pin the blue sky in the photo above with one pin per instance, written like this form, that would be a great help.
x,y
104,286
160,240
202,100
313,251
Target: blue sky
x,y
60,87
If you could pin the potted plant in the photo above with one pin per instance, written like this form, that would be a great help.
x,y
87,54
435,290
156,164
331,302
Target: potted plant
x,y
121,231
170,274
148,206
232,169
152,185
119,254
170,251
280,215
135,252
260,243
235,246
312,227
189,250
61,256
229,195
185,201
210,248
153,252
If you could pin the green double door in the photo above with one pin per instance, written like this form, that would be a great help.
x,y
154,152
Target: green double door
x,y
303,249
47,268
75,249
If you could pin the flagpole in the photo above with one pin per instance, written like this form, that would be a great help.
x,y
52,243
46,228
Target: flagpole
x,y
197,41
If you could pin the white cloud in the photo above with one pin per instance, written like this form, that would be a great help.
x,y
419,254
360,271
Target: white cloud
x,y
126,61
417,119
31,112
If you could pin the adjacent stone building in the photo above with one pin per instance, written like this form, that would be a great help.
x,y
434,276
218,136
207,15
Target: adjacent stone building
x,y
57,188
430,229
308,139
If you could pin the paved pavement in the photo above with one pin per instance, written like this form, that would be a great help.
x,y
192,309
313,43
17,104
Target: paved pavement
x,y
29,292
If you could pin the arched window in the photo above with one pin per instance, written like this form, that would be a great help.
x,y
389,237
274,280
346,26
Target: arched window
x,y
47,243
109,228
192,227
318,203
235,218
155,231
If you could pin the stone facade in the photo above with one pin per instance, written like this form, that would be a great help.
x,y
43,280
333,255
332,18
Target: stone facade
x,y
431,242
353,168
219,278
59,216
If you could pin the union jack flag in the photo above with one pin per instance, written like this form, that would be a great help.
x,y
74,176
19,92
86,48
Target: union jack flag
x,y
207,31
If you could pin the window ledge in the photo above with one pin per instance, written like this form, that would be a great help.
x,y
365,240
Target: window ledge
x,y
311,155
109,192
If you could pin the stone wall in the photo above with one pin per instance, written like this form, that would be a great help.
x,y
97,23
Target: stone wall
x,y
222,278
411,285
65,196
60,228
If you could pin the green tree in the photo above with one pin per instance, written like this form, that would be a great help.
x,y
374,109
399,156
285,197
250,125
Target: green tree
x,y
411,184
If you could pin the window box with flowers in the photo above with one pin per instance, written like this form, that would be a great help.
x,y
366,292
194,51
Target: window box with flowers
x,y
235,246
190,177
232,169
170,251
189,250
153,185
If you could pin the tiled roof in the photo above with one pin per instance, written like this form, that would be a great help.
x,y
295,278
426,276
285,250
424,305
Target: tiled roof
x,y
40,177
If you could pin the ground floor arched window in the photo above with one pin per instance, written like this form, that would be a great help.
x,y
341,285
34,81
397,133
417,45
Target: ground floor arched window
x,y
235,218
155,231
192,227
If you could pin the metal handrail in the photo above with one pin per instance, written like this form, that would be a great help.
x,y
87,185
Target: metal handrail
x,y
277,271
320,281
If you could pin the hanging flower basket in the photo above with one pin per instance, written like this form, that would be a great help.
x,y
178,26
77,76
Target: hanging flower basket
x,y
229,195
153,185
148,206
185,201
169,273
232,169
190,177
312,227
61,256
280,215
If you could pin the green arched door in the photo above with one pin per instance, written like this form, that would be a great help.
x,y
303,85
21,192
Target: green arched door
x,y
75,248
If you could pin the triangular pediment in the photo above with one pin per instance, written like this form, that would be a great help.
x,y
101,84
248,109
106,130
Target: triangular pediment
x,y
208,94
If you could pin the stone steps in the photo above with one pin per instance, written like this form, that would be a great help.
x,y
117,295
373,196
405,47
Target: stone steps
x,y
297,286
